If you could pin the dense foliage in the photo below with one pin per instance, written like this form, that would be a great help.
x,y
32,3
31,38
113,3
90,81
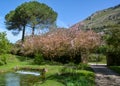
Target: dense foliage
x,y
72,75
4,48
4,43
63,45
113,46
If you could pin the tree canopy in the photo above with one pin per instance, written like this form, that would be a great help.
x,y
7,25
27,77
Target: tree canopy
x,y
30,14
4,43
113,46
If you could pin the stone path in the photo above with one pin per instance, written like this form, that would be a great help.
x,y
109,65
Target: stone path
x,y
105,76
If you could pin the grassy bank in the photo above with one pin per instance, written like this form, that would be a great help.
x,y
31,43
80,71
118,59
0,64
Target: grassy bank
x,y
57,74
115,68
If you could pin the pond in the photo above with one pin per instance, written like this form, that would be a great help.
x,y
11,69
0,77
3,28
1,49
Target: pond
x,y
19,78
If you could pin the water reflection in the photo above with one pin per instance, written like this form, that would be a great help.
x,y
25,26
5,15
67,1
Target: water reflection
x,y
18,79
12,79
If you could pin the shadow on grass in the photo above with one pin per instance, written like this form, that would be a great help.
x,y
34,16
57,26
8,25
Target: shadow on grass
x,y
115,68
46,62
22,58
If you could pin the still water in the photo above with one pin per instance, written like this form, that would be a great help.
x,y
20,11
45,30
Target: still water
x,y
20,78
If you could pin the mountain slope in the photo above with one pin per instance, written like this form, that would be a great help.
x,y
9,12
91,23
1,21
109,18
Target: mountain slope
x,y
102,20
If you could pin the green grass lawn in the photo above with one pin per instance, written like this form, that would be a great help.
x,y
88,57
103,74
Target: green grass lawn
x,y
57,75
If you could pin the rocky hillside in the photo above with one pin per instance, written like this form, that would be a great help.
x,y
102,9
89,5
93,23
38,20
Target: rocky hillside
x,y
102,20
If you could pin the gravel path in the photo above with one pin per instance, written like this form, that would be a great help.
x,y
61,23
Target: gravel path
x,y
105,76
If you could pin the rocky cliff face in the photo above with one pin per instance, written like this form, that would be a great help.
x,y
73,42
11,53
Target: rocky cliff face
x,y
101,20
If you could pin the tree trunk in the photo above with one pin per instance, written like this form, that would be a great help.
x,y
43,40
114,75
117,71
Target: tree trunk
x,y
84,57
23,34
33,31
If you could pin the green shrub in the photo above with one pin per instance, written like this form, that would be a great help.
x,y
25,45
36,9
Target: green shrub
x,y
112,38
77,80
5,46
96,57
3,59
38,58
1,63
68,70
82,66
71,76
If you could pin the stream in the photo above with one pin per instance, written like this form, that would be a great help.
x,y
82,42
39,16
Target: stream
x,y
19,78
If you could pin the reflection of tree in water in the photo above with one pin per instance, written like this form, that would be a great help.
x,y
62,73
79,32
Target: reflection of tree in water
x,y
2,80
28,80
13,79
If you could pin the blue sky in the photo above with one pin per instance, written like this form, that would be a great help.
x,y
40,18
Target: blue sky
x,y
69,11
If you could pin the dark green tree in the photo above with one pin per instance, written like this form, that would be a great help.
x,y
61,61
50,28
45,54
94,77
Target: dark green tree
x,y
4,43
113,46
5,47
39,15
16,20
32,14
